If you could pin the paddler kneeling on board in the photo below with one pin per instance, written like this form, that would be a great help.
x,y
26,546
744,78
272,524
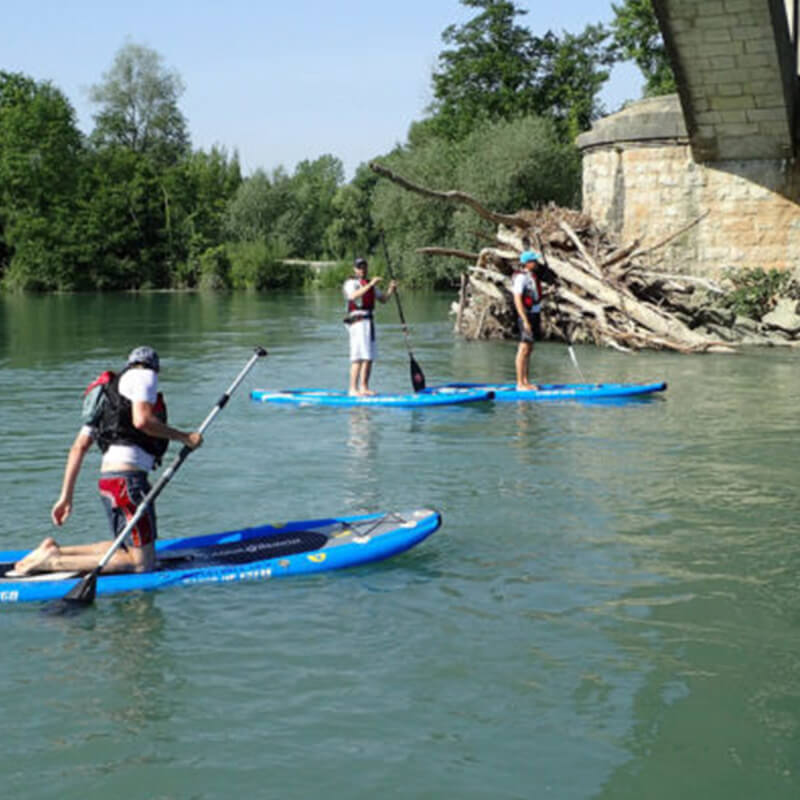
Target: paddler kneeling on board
x,y
128,422
527,291
361,295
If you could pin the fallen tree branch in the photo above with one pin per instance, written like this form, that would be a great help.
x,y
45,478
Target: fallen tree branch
x,y
448,251
450,196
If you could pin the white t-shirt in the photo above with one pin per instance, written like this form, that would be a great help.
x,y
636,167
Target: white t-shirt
x,y
138,385
352,285
524,283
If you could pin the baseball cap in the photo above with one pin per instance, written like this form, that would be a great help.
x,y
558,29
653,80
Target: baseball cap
x,y
146,356
529,255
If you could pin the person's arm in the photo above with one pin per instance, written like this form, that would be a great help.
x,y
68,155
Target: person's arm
x,y
147,422
522,311
63,506
389,292
362,290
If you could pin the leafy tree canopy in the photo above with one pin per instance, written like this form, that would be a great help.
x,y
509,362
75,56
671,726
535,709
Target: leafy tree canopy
x,y
138,101
637,37
495,69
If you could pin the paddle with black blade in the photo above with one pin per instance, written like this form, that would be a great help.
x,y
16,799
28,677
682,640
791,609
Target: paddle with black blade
x,y
567,336
83,593
417,376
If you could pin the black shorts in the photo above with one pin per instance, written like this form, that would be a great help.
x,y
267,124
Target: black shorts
x,y
536,328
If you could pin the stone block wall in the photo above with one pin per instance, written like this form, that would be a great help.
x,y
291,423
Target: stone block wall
x,y
641,182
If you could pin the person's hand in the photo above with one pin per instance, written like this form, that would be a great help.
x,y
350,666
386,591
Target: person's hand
x,y
61,510
193,440
392,286
375,281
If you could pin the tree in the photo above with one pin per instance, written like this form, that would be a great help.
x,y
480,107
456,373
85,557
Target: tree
x,y
139,106
351,231
577,67
497,70
637,37
41,152
256,206
508,165
486,73
312,188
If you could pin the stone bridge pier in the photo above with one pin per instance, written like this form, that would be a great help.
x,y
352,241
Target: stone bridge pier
x,y
718,159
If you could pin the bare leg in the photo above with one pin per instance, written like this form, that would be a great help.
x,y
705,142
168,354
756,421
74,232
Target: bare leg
x,y
366,371
355,373
522,365
85,557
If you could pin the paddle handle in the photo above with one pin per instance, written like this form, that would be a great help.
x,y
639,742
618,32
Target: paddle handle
x,y
170,471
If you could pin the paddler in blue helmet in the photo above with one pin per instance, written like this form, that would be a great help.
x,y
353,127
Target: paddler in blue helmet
x,y
132,432
527,291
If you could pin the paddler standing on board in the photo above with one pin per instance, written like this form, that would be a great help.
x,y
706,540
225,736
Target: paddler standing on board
x,y
361,294
527,290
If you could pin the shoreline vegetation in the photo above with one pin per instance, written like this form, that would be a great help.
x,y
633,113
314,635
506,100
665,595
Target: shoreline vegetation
x,y
133,205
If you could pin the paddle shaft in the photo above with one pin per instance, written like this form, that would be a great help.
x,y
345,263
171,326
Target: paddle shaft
x,y
396,293
417,376
170,471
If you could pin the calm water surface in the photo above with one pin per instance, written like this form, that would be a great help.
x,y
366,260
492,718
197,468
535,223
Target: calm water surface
x,y
610,610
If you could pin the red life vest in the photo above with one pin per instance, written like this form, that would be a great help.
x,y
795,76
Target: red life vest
x,y
529,298
364,303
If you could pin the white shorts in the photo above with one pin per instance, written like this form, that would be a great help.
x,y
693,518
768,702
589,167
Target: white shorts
x,y
362,344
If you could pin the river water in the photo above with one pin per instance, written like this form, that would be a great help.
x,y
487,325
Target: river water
x,y
611,608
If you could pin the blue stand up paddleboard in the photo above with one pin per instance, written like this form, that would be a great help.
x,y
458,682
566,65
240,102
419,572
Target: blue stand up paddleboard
x,y
441,396
265,551
563,391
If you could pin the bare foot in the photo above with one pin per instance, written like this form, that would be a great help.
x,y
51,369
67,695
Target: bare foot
x,y
526,387
36,559
367,393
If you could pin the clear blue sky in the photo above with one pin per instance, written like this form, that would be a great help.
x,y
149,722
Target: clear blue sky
x,y
279,82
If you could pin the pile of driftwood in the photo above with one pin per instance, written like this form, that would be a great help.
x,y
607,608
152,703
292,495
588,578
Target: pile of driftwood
x,y
595,290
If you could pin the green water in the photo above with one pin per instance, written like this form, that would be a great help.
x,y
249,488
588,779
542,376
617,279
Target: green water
x,y
610,610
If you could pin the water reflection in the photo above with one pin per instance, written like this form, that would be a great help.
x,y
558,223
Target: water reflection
x,y
363,436
122,640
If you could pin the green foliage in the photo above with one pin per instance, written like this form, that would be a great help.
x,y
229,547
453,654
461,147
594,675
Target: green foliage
x,y
295,210
134,208
260,265
350,231
576,69
215,269
497,70
138,101
309,211
755,290
505,165
637,37
41,155
332,277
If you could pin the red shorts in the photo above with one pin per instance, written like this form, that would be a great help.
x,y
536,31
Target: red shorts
x,y
121,493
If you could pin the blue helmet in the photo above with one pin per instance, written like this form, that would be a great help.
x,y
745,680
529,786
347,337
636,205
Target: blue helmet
x,y
145,356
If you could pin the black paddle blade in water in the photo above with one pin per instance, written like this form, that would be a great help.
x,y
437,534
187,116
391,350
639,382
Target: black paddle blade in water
x,y
417,378
80,596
